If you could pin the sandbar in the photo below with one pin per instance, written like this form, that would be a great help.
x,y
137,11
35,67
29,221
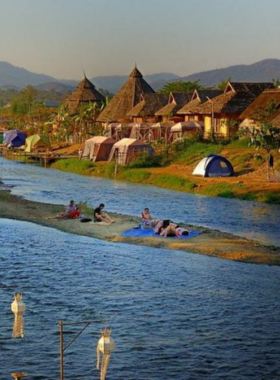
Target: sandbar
x,y
209,242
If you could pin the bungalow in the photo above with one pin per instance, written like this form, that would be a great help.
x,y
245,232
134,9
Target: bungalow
x,y
263,109
190,111
84,93
175,102
221,112
125,99
144,111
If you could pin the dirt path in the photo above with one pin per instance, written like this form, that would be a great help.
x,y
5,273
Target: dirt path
x,y
208,242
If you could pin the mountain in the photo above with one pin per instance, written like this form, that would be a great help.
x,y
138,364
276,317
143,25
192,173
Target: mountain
x,y
55,86
262,71
114,82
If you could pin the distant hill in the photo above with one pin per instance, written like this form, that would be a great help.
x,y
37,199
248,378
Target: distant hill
x,y
12,77
55,86
262,71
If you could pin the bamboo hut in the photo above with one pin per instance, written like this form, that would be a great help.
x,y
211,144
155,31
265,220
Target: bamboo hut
x,y
263,109
175,102
84,93
190,111
144,111
221,112
125,99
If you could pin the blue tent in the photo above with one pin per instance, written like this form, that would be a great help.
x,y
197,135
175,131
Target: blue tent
x,y
15,138
214,166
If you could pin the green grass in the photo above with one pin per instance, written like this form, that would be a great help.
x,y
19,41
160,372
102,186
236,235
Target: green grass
x,y
196,152
75,165
135,175
172,182
242,143
225,190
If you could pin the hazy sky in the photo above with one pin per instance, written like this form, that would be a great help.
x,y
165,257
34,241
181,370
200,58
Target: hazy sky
x,y
62,38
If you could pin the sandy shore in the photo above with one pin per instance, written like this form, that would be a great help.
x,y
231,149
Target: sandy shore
x,y
208,242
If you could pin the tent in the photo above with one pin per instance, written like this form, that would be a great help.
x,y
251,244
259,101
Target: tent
x,y
126,150
14,138
186,128
214,166
98,148
37,142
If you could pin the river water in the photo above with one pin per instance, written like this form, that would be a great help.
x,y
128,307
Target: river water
x,y
247,219
174,315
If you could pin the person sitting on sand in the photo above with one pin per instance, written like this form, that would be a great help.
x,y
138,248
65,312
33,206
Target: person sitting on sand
x,y
71,212
100,216
147,218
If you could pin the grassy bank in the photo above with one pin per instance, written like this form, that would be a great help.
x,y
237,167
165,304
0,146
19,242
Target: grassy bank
x,y
172,170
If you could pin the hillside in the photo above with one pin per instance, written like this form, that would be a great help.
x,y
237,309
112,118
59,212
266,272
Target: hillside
x,y
262,71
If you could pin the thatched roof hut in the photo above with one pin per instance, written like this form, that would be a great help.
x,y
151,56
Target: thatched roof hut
x,y
175,102
235,99
148,105
126,98
84,93
268,98
198,97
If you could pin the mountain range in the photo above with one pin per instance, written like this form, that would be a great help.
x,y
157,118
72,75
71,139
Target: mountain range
x,y
17,77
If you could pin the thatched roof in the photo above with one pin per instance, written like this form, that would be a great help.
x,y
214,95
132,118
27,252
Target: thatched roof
x,y
235,99
199,97
275,121
126,98
148,105
84,93
266,98
175,102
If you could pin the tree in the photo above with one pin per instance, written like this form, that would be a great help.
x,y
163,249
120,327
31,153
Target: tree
x,y
180,86
222,85
266,137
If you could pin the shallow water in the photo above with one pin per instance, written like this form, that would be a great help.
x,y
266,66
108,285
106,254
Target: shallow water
x,y
174,315
247,219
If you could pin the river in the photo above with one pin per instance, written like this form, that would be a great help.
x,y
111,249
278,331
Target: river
x,y
174,315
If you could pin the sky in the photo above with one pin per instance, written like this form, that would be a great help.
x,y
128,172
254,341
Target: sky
x,y
63,38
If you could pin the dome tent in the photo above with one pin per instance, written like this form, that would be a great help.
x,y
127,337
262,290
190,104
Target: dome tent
x,y
36,143
14,138
214,166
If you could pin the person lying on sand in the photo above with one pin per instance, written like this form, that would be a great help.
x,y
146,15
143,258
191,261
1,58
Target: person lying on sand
x,y
100,216
166,228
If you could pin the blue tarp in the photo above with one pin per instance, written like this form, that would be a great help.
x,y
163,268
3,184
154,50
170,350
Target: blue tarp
x,y
138,232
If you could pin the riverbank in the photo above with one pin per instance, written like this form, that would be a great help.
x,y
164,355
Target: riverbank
x,y
249,183
208,242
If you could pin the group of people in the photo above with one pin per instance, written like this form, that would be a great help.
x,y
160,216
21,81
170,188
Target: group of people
x,y
73,211
162,227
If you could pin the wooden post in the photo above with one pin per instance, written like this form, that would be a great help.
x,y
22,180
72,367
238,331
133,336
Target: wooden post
x,y
61,349
116,162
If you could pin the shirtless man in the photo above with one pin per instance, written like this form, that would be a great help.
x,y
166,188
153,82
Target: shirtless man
x,y
100,216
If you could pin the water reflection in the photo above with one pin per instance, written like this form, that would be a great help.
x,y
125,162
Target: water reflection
x,y
248,219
